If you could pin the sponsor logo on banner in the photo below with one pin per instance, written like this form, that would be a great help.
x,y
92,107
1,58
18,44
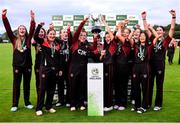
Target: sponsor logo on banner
x,y
61,21
67,17
78,17
57,23
132,17
110,17
57,17
65,23
132,22
95,74
121,17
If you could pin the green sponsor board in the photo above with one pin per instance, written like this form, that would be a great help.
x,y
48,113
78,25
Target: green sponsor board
x,y
61,21
90,34
111,23
57,17
65,23
102,28
121,17
58,28
132,22
78,17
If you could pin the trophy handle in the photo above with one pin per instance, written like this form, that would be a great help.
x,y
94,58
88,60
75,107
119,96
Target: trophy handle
x,y
101,18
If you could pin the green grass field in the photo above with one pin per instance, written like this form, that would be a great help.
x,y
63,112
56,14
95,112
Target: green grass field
x,y
170,111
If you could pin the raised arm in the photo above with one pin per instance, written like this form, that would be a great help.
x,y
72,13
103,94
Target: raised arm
x,y
173,21
152,30
7,26
119,32
107,28
69,34
32,27
130,38
77,33
144,16
36,34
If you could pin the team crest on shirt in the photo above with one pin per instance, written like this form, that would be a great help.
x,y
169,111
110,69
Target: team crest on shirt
x,y
82,52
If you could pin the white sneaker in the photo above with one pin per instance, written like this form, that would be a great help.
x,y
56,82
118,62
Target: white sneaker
x,y
121,108
116,106
108,108
58,104
67,105
157,108
72,108
39,113
132,109
14,109
29,106
51,110
82,108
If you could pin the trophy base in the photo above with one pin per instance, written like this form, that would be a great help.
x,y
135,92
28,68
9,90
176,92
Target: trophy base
x,y
96,29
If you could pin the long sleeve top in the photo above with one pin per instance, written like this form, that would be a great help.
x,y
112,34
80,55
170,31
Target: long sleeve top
x,y
21,59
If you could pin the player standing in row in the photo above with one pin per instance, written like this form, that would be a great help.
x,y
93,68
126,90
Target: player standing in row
x,y
80,51
48,69
22,60
158,61
63,81
42,34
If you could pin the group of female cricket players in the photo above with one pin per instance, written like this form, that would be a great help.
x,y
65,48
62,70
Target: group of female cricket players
x,y
62,61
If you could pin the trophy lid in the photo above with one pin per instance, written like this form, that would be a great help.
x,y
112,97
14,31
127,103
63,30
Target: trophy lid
x,y
96,29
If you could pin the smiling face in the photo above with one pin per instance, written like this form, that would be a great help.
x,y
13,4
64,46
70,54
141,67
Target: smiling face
x,y
83,36
142,37
42,33
51,35
160,31
126,33
137,33
64,34
22,30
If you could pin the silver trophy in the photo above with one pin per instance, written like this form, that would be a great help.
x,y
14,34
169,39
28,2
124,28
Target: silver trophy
x,y
95,23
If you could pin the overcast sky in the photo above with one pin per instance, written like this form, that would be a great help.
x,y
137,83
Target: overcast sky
x,y
18,10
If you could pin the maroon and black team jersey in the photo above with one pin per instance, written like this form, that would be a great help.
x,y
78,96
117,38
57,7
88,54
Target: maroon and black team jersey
x,y
50,55
142,53
110,51
122,52
160,47
24,58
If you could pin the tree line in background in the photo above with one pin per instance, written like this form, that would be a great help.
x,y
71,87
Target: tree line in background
x,y
4,37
